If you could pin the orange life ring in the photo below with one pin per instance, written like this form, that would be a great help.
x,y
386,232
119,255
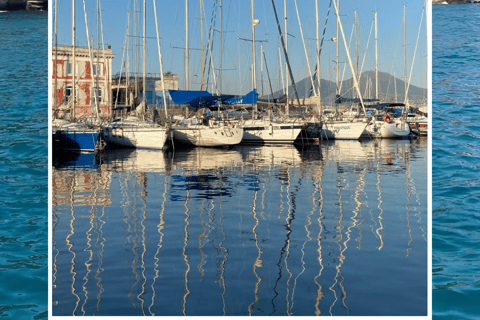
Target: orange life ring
x,y
387,118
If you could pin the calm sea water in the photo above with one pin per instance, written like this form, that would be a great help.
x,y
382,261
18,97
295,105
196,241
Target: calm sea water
x,y
455,158
23,165
336,229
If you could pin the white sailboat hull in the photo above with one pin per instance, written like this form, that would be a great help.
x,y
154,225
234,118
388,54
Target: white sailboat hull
x,y
395,129
205,136
340,130
264,131
135,136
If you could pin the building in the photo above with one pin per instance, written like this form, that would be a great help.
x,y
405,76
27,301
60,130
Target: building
x,y
128,90
90,72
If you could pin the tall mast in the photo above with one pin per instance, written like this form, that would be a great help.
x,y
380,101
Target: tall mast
x,y
356,42
336,59
261,68
73,58
286,50
127,102
319,101
395,86
355,80
55,69
144,53
220,53
405,48
201,45
98,52
160,59
187,51
135,46
254,76
376,58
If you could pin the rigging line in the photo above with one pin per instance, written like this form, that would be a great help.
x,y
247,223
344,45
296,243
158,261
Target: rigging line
x,y
321,45
345,65
393,64
210,41
414,53
174,32
268,75
305,48
107,71
286,56
365,54
123,58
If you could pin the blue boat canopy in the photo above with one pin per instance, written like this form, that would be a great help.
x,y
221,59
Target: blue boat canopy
x,y
204,99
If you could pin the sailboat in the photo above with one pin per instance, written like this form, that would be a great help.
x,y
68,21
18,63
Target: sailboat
x,y
390,119
267,129
206,128
135,131
335,125
72,135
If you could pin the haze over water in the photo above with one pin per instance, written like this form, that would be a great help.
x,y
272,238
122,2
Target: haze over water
x,y
336,229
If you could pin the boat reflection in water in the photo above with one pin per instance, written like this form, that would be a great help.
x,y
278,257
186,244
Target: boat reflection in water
x,y
335,229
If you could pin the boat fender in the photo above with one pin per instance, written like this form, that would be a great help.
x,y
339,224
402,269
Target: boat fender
x,y
270,129
387,118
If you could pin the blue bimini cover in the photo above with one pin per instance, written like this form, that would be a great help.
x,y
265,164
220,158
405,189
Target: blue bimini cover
x,y
249,98
196,99
204,99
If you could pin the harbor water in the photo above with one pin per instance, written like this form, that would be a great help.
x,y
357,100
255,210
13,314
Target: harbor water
x,y
24,165
338,228
455,154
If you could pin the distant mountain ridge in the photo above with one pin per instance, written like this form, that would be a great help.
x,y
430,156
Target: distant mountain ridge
x,y
386,88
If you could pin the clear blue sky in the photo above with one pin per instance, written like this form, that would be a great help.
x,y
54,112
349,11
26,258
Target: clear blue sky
x,y
237,54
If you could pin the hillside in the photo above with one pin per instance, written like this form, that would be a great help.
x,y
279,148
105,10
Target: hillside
x,y
386,87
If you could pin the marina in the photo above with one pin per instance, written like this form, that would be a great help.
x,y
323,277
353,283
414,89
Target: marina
x,y
87,98
259,172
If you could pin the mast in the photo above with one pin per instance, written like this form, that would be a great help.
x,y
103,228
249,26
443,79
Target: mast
x,y
280,71
254,76
405,48
144,55
98,54
287,109
160,59
187,58
319,101
73,62
376,59
135,47
395,86
201,45
55,69
356,41
261,68
220,53
336,59
127,102
355,80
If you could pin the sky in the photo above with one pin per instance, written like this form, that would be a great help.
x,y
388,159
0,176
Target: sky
x,y
237,53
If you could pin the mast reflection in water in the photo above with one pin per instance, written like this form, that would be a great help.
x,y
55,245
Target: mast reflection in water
x,y
335,229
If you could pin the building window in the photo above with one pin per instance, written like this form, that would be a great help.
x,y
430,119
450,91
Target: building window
x,y
97,69
69,68
99,95
68,93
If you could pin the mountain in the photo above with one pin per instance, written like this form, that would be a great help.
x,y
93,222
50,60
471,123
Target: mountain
x,y
386,88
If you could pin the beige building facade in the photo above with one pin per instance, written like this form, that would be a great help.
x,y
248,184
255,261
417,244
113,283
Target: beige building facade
x,y
93,79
